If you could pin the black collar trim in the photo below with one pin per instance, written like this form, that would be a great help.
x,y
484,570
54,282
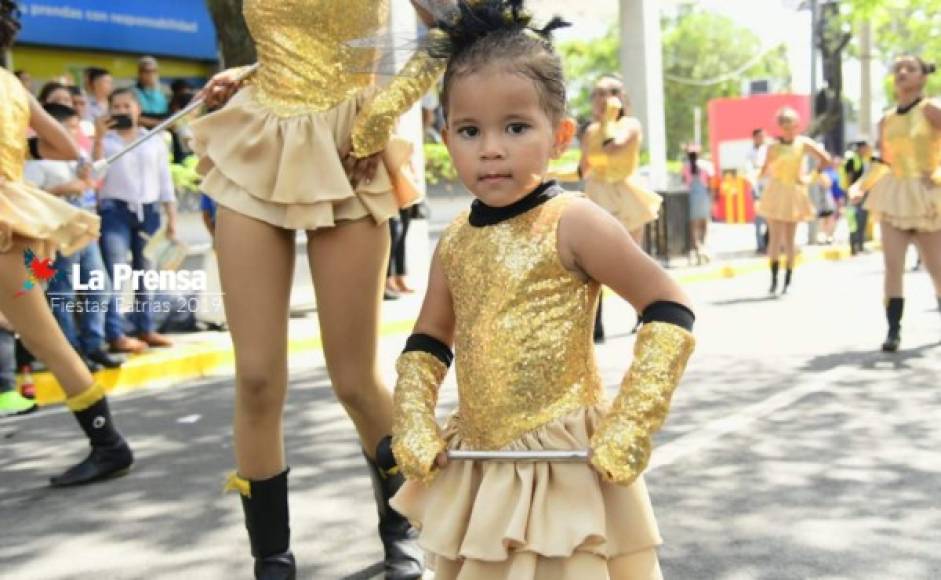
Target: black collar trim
x,y
899,109
484,215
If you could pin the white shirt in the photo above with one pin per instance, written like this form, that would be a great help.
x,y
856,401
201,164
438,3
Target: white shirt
x,y
47,174
141,176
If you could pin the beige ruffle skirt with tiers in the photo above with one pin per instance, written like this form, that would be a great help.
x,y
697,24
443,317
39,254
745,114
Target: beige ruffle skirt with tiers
x,y
533,521
907,203
286,170
629,202
785,202
47,223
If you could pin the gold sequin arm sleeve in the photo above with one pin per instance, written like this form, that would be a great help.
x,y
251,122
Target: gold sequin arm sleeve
x,y
375,122
621,447
416,437
876,172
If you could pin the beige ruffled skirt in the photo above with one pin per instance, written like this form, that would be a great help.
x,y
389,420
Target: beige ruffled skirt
x,y
520,521
785,202
907,203
286,170
49,224
628,201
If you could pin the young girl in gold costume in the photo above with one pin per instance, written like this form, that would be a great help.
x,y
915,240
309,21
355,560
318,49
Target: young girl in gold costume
x,y
785,202
905,192
33,220
513,287
301,147
610,157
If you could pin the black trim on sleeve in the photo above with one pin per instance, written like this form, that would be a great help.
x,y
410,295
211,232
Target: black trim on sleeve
x,y
431,345
669,312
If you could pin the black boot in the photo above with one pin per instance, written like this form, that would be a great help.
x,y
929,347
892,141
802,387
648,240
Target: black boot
x,y
110,454
893,315
788,274
265,504
404,559
774,277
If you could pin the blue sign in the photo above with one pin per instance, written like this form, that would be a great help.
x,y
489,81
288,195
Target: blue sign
x,y
166,27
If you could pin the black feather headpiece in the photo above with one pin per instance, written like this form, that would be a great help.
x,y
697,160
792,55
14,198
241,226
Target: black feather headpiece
x,y
475,19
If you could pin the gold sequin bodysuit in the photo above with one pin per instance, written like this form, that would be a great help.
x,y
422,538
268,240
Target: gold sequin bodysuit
x,y
787,162
14,118
908,194
523,341
308,63
911,146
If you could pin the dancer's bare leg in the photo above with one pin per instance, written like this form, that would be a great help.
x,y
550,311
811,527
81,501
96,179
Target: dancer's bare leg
x,y
348,263
929,245
30,315
256,266
894,247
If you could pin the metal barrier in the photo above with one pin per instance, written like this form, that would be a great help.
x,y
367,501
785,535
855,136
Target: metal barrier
x,y
670,234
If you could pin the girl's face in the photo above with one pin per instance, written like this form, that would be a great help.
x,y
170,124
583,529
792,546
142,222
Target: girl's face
x,y
908,76
788,128
600,94
501,144
125,104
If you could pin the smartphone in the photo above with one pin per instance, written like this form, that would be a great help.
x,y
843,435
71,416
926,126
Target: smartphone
x,y
121,122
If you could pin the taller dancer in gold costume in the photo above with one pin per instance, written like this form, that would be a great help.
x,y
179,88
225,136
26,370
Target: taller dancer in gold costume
x,y
33,220
300,147
784,202
513,286
905,194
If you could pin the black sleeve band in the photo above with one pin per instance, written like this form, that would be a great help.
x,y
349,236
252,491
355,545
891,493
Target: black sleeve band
x,y
431,345
669,312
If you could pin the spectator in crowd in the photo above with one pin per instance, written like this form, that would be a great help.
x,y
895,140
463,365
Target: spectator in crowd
x,y
86,127
153,101
755,161
11,401
836,200
698,176
59,178
207,208
858,161
132,191
98,86
56,92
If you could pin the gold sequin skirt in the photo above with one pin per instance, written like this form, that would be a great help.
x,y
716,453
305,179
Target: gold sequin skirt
x,y
785,202
906,203
286,170
628,201
49,224
520,521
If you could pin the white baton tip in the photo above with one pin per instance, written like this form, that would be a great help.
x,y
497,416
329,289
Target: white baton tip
x,y
99,165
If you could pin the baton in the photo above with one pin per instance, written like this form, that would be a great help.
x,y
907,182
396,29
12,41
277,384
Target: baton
x,y
101,164
571,456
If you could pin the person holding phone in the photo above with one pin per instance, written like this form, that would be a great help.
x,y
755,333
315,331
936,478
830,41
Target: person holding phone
x,y
129,199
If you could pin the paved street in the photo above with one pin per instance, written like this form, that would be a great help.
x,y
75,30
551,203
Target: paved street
x,y
794,450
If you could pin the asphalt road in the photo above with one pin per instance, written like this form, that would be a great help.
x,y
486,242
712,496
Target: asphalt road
x,y
794,450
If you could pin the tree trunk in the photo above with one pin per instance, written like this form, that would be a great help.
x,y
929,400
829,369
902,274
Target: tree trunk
x,y
235,42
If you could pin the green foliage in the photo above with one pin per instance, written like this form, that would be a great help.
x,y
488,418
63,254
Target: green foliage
x,y
900,27
438,166
584,62
696,45
701,45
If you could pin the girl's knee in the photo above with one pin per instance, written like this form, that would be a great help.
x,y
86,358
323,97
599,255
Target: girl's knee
x,y
260,393
354,388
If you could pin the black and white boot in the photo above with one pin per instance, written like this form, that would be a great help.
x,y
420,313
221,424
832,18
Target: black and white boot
x,y
110,454
404,559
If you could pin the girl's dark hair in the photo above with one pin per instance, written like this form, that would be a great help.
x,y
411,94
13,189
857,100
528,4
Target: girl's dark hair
x,y
9,23
693,159
487,33
49,88
926,67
